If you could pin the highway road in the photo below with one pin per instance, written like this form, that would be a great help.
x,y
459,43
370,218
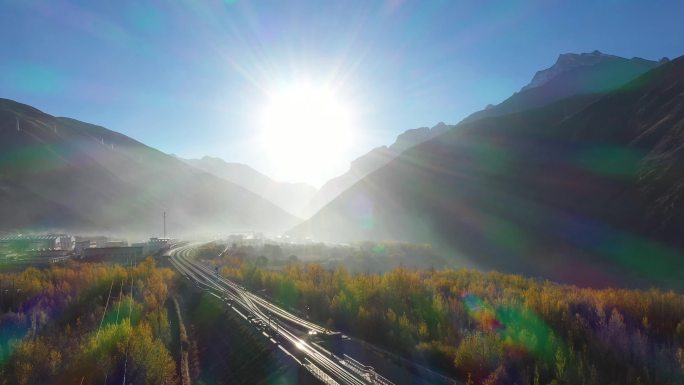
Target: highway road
x,y
282,328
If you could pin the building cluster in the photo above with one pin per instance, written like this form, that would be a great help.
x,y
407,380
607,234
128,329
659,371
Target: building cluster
x,y
52,246
37,242
57,247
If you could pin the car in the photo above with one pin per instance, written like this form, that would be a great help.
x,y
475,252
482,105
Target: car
x,y
332,336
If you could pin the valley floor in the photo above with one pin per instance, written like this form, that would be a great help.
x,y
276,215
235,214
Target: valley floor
x,y
97,323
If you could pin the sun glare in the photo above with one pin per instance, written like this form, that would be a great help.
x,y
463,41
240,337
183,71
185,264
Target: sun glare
x,y
306,131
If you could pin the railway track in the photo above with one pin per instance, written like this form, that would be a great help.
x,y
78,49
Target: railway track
x,y
279,326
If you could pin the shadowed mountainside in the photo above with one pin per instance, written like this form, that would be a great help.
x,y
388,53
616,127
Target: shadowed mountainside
x,y
372,161
587,190
572,74
59,173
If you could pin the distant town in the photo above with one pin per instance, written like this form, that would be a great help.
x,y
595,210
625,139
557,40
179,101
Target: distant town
x,y
47,248
21,249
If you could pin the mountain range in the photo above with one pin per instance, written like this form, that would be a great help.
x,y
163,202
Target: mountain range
x,y
586,189
577,177
63,174
571,74
303,200
291,197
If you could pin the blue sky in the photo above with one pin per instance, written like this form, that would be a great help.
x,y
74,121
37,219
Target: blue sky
x,y
188,77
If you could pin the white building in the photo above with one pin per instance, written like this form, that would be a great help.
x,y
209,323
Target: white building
x,y
32,243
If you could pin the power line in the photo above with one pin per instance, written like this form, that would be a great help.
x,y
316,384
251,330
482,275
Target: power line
x,y
128,343
119,306
105,310
97,336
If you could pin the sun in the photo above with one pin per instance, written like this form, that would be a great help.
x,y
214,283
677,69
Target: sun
x,y
306,132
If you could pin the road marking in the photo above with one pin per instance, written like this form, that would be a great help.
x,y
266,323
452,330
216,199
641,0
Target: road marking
x,y
289,354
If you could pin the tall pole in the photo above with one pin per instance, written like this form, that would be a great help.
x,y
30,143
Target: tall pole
x,y
164,224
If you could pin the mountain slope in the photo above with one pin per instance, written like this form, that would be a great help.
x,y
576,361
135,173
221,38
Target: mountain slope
x,y
291,197
371,161
572,74
59,173
583,190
